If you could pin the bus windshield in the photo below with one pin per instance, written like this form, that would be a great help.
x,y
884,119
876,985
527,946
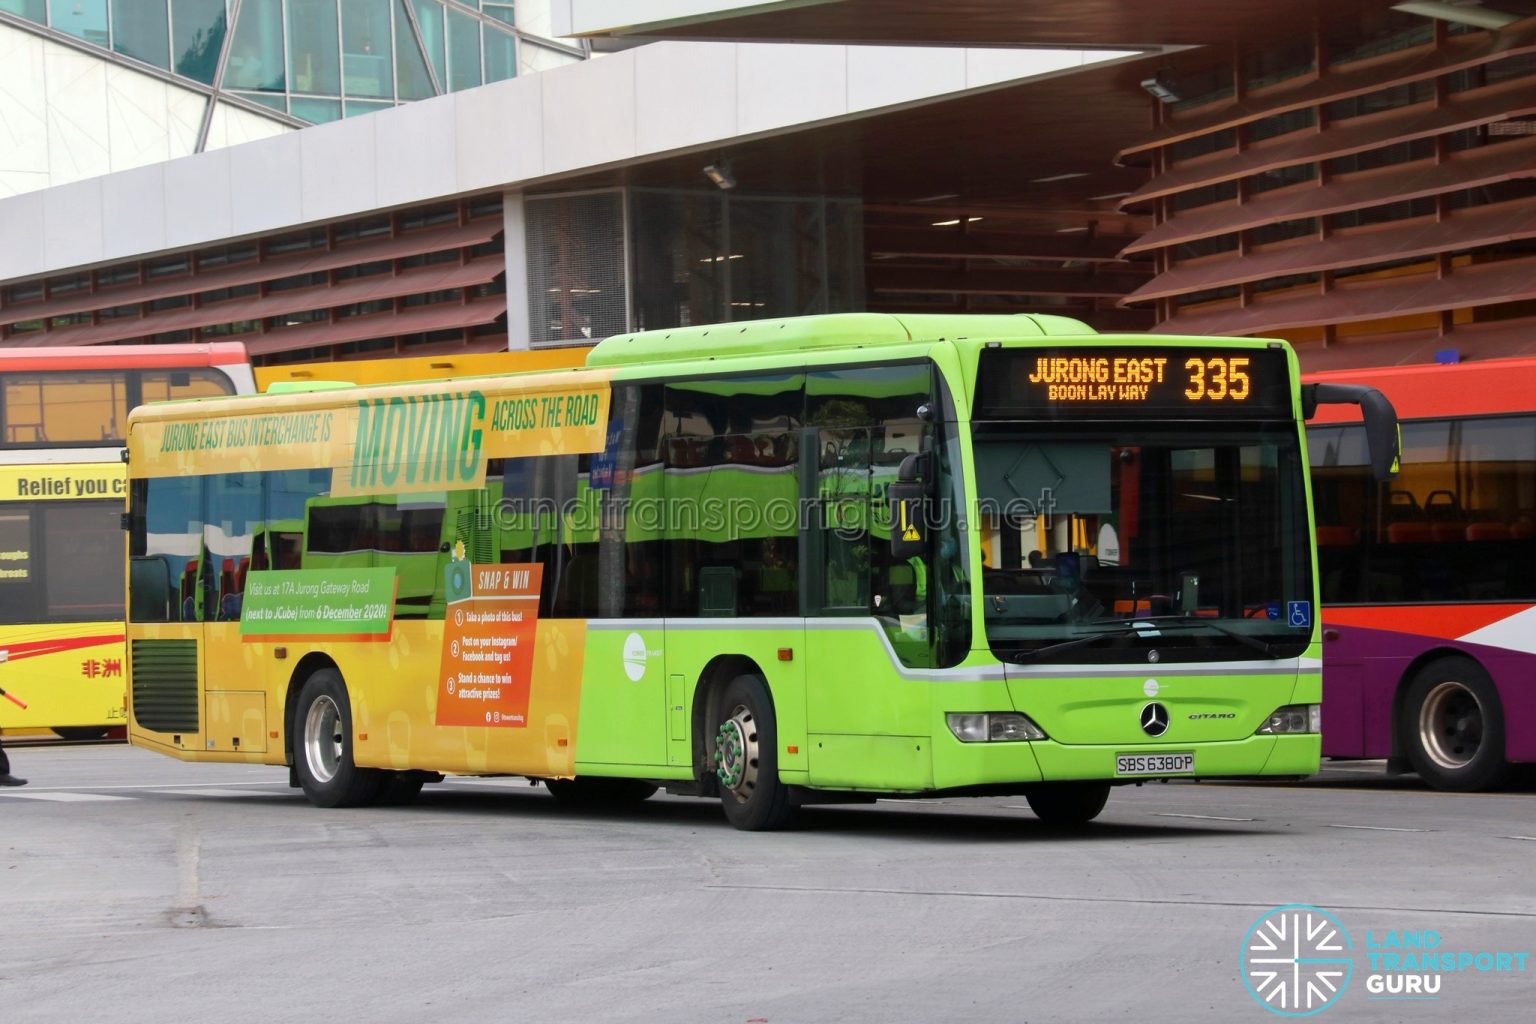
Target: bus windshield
x,y
1110,543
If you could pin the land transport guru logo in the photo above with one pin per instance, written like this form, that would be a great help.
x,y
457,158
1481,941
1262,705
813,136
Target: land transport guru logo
x,y
1298,960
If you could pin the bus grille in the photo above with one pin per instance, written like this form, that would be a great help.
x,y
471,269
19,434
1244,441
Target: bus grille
x,y
165,685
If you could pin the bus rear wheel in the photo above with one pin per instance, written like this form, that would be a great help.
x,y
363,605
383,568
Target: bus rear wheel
x,y
1068,803
1452,725
323,755
747,761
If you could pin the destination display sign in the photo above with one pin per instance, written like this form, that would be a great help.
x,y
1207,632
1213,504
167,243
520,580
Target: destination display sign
x,y
1143,381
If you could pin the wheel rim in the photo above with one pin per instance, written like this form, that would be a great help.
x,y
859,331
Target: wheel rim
x,y
323,739
736,754
1451,725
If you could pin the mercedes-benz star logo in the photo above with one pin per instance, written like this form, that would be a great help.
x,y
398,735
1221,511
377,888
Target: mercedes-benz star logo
x,y
1154,719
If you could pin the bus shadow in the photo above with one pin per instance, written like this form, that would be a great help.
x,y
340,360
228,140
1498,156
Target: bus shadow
x,y
885,820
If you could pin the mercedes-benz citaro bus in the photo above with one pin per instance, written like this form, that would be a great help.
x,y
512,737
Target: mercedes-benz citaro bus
x,y
780,562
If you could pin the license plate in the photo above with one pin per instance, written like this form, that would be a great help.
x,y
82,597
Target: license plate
x,y
1154,764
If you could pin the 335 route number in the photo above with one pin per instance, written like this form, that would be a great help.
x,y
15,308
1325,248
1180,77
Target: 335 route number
x,y
1220,378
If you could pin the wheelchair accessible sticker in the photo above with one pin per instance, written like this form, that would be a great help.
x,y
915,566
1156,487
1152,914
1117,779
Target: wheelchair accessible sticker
x,y
1298,614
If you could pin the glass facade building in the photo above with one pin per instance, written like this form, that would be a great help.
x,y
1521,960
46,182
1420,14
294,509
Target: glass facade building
x,y
314,60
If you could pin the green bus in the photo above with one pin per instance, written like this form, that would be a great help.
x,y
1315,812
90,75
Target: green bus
x,y
782,562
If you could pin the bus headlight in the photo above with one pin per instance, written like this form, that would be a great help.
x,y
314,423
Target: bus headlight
x,y
993,727
1293,718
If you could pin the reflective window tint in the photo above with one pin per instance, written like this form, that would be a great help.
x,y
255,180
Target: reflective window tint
x,y
313,110
730,498
366,66
33,9
415,83
355,108
233,503
869,422
429,18
197,36
403,533
140,31
18,567
500,55
279,103
164,548
464,51
84,19
314,51
502,12
256,52
60,561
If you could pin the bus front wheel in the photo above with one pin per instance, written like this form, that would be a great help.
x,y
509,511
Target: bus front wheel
x,y
323,756
1453,726
747,760
1068,803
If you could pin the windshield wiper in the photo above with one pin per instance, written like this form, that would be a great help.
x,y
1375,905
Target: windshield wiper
x,y
1078,641
1153,623
1262,646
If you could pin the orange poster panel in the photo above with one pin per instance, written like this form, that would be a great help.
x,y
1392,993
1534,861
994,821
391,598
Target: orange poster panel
x,y
488,643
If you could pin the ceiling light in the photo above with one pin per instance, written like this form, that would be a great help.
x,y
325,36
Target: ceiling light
x,y
720,174
1462,14
1060,177
951,223
935,199
1109,195
1069,231
1161,87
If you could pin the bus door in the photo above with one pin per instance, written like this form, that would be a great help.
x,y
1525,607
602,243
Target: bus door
x,y
867,619
169,591
234,717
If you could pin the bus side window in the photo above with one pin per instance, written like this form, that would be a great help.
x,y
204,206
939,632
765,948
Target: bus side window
x,y
165,548
233,503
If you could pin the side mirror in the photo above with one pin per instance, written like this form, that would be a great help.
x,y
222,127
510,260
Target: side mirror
x,y
1383,435
909,538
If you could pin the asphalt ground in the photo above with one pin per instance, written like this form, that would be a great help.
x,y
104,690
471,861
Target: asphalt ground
x,y
137,888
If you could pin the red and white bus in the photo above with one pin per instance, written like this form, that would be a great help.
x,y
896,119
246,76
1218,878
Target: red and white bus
x,y
63,418
1428,582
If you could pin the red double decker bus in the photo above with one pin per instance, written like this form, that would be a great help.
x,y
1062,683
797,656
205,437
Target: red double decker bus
x,y
1428,582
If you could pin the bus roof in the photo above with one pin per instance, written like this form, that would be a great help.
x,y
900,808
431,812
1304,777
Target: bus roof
x,y
1427,390
123,357
402,369
810,333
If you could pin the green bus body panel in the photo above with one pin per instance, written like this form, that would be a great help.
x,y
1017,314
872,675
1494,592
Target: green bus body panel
x,y
1085,709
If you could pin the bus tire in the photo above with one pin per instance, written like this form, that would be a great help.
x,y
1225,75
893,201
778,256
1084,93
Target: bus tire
x,y
746,758
1452,726
1068,803
323,753
592,791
